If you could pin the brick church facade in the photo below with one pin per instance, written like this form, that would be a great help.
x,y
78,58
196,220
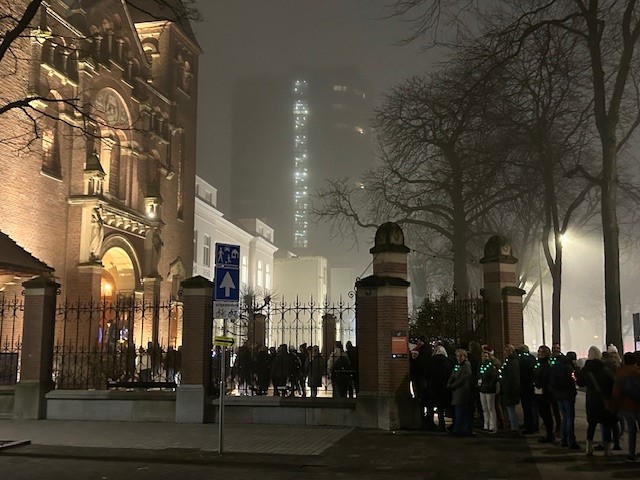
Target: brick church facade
x,y
99,185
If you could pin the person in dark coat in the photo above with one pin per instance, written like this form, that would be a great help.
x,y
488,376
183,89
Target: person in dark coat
x,y
487,384
475,359
544,395
419,363
527,364
438,395
262,371
339,369
460,385
563,388
280,370
314,368
599,385
626,399
352,353
510,385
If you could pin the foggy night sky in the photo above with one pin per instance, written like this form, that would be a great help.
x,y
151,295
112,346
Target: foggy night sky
x,y
249,37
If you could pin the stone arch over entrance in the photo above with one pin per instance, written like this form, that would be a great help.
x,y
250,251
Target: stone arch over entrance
x,y
121,273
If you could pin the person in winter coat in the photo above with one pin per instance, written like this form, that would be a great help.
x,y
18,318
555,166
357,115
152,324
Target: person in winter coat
x,y
339,369
314,369
280,370
475,359
527,364
544,395
626,398
510,386
612,363
487,384
438,395
262,371
352,353
460,385
419,363
563,387
599,385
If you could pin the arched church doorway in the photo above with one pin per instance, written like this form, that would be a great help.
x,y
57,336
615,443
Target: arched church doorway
x,y
117,289
119,276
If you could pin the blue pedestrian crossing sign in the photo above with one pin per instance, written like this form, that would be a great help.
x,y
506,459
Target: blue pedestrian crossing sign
x,y
227,255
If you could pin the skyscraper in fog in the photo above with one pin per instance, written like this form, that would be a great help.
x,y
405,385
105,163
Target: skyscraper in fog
x,y
289,134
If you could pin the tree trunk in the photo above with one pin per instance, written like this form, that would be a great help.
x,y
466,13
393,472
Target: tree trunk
x,y
610,234
459,240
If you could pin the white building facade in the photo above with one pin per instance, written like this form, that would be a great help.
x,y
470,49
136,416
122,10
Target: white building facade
x,y
254,237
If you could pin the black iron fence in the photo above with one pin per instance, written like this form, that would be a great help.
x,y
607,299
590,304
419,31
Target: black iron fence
x,y
126,343
11,315
289,349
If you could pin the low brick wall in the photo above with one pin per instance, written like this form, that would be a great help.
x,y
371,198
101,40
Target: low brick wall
x,y
7,397
145,406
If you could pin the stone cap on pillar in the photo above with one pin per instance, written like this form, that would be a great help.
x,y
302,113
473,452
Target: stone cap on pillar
x,y
498,249
196,282
378,281
513,292
389,238
41,282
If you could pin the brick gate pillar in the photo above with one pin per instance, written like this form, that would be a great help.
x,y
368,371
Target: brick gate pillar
x,y
197,331
382,326
36,363
504,298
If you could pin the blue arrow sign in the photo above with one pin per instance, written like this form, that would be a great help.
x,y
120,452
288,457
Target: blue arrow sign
x,y
227,255
227,284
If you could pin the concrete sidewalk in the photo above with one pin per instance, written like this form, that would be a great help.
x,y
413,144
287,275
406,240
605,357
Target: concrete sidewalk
x,y
278,451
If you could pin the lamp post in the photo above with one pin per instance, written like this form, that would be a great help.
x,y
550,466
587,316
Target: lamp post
x,y
544,336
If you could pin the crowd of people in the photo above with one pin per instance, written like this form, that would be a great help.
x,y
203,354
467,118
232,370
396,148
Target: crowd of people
x,y
291,371
476,389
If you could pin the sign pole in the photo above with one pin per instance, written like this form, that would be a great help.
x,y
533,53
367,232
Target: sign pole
x,y
221,398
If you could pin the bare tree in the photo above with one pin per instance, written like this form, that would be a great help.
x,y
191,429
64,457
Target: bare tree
x,y
441,171
608,32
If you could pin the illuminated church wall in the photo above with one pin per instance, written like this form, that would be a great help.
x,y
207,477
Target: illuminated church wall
x,y
119,182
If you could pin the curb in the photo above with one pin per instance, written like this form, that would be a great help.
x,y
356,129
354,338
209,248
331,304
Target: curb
x,y
5,444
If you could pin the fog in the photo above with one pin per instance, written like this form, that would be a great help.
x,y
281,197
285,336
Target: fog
x,y
583,307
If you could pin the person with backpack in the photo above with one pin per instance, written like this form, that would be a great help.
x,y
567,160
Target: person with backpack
x,y
563,387
626,398
339,370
